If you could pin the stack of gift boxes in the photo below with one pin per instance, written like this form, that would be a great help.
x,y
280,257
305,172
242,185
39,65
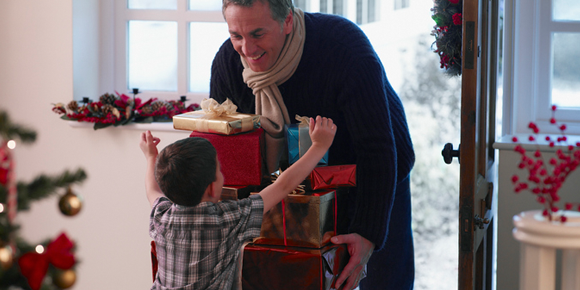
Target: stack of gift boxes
x,y
294,249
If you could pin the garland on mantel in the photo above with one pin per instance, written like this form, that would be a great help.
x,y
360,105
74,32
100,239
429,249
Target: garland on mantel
x,y
448,34
120,109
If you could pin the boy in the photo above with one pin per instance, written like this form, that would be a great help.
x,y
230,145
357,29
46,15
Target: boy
x,y
198,239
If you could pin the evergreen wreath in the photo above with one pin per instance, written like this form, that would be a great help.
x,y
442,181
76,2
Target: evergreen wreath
x,y
448,18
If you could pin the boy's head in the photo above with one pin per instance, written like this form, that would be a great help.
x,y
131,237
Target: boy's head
x,y
186,168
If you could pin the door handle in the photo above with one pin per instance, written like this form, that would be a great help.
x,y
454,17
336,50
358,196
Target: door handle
x,y
448,153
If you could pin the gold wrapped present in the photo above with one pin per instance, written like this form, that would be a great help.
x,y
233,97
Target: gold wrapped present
x,y
300,220
216,118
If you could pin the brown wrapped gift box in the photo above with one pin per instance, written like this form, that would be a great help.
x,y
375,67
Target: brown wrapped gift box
x,y
281,268
309,221
236,192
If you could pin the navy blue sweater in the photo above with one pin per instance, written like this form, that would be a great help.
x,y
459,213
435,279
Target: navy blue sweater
x,y
341,77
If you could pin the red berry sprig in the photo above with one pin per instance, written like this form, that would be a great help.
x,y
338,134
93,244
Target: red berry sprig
x,y
544,179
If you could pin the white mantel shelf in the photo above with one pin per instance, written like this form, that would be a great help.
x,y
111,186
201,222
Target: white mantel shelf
x,y
506,143
155,126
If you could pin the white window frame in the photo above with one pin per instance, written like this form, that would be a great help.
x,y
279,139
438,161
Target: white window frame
x,y
527,64
114,36
113,42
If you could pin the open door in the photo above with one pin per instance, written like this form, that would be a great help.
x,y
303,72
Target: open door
x,y
476,155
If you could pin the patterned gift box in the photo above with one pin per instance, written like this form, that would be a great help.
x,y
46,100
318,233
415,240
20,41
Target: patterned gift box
x,y
240,156
298,141
301,220
281,268
216,118
333,176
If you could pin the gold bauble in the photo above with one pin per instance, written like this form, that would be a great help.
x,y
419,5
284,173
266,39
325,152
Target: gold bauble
x,y
64,279
6,256
70,203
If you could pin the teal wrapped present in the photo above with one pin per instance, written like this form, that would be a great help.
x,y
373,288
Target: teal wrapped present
x,y
298,141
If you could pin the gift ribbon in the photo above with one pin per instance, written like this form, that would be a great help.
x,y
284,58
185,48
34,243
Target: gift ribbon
x,y
35,265
227,109
298,190
213,108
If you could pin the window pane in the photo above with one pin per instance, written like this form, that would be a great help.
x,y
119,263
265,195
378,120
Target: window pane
x,y
205,40
152,4
211,5
152,51
566,70
566,10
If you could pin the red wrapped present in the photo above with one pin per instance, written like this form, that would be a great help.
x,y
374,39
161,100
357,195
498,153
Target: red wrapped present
x,y
240,156
333,176
281,268
301,220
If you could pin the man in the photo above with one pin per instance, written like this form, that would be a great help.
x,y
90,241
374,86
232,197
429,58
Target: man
x,y
281,62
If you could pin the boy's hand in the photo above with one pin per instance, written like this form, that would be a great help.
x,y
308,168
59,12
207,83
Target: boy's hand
x,y
148,144
322,132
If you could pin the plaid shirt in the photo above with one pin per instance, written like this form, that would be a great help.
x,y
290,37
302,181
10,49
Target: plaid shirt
x,y
198,247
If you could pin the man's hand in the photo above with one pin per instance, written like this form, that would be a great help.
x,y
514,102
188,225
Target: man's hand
x,y
360,250
148,145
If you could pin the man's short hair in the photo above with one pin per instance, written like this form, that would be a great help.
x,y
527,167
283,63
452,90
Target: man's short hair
x,y
279,8
185,168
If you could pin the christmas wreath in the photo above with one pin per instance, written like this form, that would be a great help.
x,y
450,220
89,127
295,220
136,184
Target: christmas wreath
x,y
448,34
120,109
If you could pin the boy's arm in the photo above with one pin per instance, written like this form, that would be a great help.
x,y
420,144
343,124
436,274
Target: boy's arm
x,y
322,134
149,147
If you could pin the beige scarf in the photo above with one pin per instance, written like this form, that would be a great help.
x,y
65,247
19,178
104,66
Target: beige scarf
x,y
269,102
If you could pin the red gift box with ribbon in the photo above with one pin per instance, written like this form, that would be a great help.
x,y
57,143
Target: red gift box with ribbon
x,y
281,268
301,220
333,176
240,156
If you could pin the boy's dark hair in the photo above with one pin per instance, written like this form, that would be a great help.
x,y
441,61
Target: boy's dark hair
x,y
185,169
279,8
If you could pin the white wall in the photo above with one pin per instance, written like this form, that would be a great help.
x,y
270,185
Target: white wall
x,y
111,231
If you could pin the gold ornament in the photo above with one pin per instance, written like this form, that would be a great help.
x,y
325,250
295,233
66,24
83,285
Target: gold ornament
x,y
6,256
64,279
70,204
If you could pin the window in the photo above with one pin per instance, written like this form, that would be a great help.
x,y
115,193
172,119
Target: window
x,y
165,47
400,4
546,66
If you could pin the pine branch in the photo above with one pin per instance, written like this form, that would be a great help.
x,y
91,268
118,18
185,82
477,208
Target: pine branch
x,y
9,131
44,186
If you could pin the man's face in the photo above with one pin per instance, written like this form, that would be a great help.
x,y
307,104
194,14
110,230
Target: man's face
x,y
256,36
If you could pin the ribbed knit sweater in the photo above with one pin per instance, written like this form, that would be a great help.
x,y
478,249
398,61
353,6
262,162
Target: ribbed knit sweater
x,y
341,77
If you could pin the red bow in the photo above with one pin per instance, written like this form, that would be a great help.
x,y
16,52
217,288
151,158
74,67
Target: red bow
x,y
58,253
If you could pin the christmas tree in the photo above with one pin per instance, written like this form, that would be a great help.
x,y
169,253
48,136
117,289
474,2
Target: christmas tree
x,y
46,265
